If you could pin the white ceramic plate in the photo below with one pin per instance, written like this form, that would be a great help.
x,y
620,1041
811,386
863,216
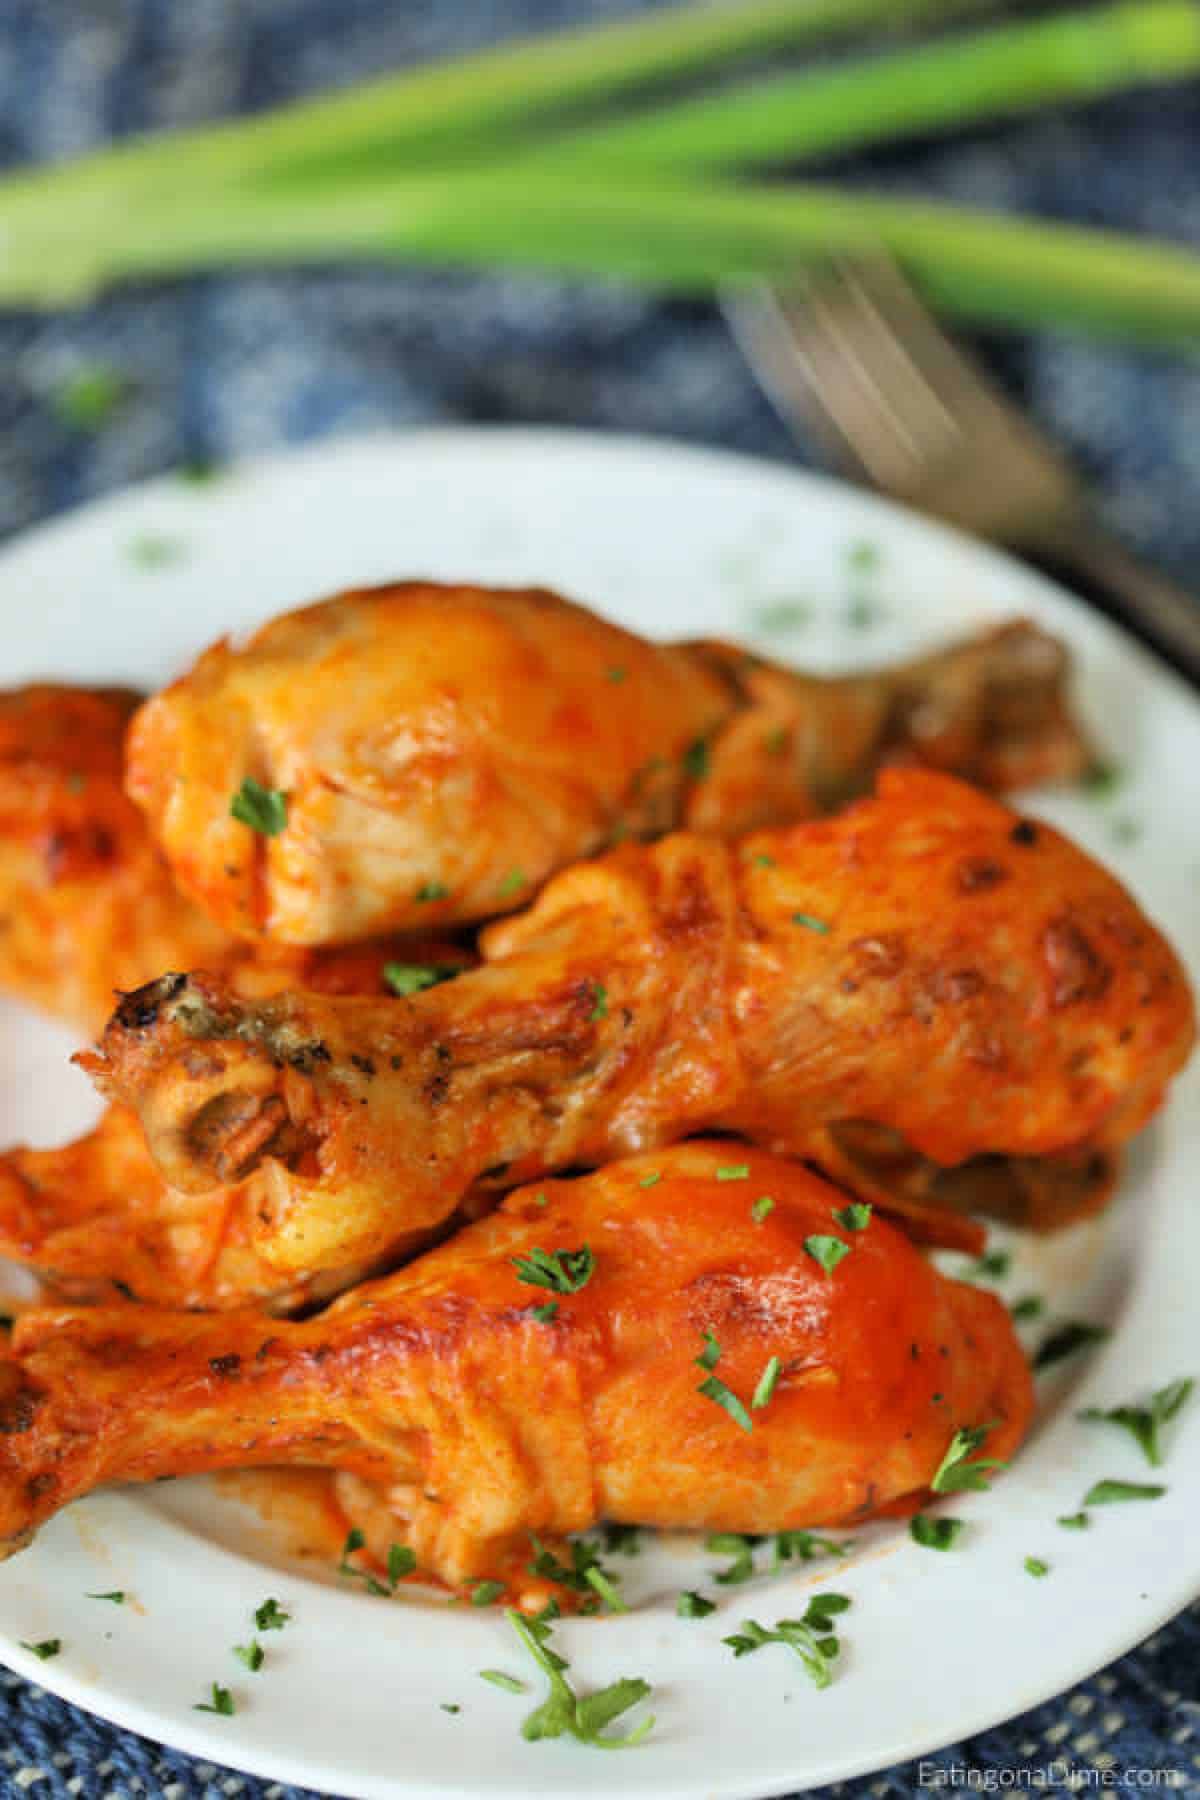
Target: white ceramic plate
x,y
676,543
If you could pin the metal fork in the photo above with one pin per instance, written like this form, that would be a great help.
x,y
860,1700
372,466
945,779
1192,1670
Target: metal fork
x,y
854,356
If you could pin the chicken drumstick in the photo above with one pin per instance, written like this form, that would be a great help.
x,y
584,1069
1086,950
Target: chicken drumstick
x,y
965,983
442,750
484,1408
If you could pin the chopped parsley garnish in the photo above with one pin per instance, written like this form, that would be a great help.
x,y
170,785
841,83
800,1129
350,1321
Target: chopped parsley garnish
x,y
781,616
599,1003
827,1251
584,1574
741,1548
563,1710
116,1595
221,1702
616,674
263,809
88,399
993,1265
252,1654
562,1271
550,1568
1030,1306
412,978
1076,1334
811,921
401,1561
622,1540
812,1637
714,1389
270,1616
734,1172
762,861
695,759
1035,1566
499,1679
484,1592
766,1383
545,1315
776,741
154,550
602,1583
512,884
1074,1521
855,1217
805,1546
691,1605
956,1474
761,1208
862,612
44,1650
450,1706
863,557
651,1179
1111,1493
199,471
1144,1423
934,1533
1101,779
431,890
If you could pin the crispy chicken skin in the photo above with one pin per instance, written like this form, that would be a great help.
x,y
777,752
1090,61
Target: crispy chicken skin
x,y
87,903
480,1424
445,749
925,964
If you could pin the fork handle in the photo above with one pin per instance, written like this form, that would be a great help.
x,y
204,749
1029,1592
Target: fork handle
x,y
1148,604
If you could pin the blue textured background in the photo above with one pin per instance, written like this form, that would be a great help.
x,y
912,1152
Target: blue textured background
x,y
227,367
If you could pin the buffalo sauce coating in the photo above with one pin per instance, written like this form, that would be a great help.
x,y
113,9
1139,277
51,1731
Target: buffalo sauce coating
x,y
959,975
445,749
483,1419
916,964
86,902
879,1362
596,1411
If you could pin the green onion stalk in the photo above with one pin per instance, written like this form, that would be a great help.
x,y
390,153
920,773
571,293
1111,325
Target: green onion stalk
x,y
357,177
938,87
687,237
60,216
